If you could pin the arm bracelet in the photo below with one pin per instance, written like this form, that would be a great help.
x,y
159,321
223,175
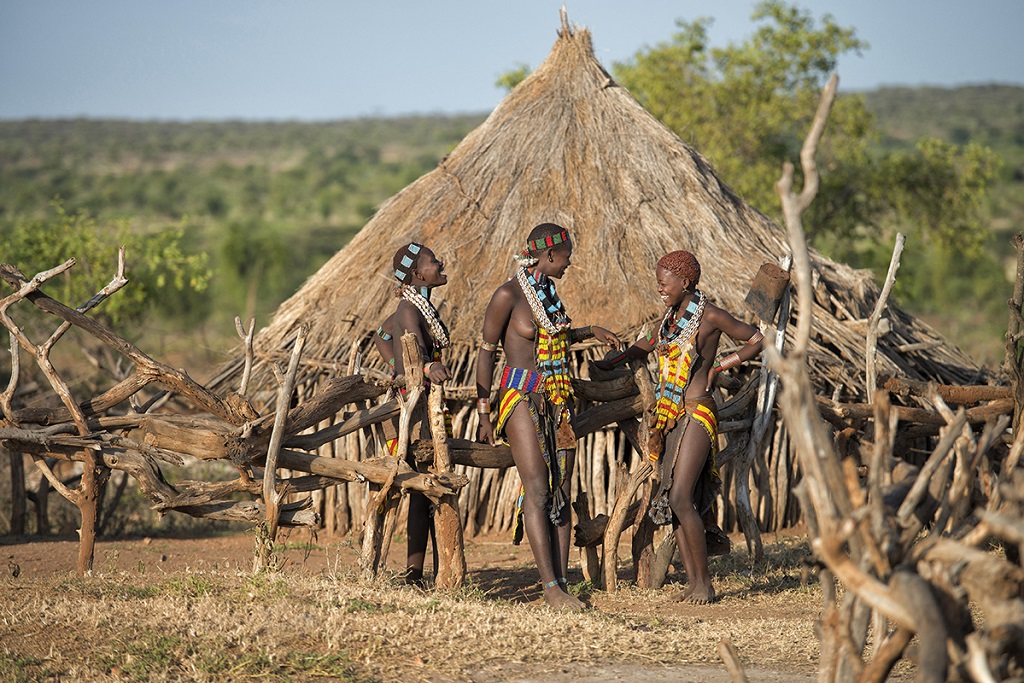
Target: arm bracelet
x,y
426,368
730,361
483,406
580,333
755,338
488,346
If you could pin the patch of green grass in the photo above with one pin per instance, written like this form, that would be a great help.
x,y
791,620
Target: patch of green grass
x,y
304,546
266,585
145,655
360,605
191,586
584,587
19,668
290,665
91,587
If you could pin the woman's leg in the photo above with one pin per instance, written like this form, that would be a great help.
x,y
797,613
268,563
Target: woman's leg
x,y
418,530
560,541
533,471
693,451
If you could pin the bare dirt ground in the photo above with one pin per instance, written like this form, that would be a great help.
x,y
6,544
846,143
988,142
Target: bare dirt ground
x,y
161,608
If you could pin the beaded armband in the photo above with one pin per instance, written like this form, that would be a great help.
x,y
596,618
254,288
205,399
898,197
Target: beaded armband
x,y
488,346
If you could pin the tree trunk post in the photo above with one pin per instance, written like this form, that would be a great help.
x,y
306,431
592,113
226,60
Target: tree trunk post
x,y
447,526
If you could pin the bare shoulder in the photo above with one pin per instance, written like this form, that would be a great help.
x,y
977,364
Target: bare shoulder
x,y
716,315
507,294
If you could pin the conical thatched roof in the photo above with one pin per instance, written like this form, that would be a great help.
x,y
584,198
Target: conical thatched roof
x,y
569,145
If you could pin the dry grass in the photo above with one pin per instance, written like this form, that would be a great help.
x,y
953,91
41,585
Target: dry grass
x,y
208,622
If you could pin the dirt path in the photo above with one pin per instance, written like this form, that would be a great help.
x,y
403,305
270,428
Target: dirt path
x,y
764,611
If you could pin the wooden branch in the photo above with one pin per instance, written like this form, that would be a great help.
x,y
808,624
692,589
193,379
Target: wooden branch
x,y
793,206
873,592
6,409
232,408
590,532
732,661
352,423
465,452
871,343
247,344
115,284
599,416
451,572
958,395
604,390
1014,362
627,488
920,486
854,411
271,498
376,470
253,511
591,562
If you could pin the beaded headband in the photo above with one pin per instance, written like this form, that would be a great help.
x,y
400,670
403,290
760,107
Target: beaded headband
x,y
408,260
549,241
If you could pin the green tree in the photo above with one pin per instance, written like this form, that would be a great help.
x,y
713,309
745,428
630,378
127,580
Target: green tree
x,y
747,107
158,267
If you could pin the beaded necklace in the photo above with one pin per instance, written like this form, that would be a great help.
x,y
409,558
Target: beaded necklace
x,y
438,331
671,329
553,316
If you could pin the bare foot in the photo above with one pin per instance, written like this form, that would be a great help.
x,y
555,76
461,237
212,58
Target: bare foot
x,y
685,595
560,600
701,595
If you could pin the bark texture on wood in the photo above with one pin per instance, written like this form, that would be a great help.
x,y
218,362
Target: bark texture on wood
x,y
451,549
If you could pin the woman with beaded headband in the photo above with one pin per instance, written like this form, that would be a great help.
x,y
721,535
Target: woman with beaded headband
x,y
417,272
535,407
687,343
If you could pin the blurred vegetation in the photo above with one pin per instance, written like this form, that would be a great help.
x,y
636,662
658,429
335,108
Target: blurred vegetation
x,y
747,106
226,219
221,219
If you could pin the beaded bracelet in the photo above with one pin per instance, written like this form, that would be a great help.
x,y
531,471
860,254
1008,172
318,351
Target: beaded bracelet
x,y
426,368
488,346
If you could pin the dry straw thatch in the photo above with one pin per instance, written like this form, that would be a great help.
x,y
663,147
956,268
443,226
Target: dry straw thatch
x,y
569,145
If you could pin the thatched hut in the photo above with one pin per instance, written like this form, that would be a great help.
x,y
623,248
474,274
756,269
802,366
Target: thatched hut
x,y
571,146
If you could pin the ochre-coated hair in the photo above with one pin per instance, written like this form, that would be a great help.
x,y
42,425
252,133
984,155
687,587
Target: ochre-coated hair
x,y
683,264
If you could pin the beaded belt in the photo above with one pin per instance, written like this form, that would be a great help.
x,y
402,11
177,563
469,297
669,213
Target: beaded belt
x,y
522,380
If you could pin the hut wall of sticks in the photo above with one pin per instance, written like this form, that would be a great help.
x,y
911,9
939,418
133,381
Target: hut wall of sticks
x,y
570,146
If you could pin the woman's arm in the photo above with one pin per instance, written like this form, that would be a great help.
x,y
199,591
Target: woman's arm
x,y
739,331
638,350
496,318
408,319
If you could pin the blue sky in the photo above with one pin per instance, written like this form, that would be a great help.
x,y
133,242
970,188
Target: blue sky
x,y
321,60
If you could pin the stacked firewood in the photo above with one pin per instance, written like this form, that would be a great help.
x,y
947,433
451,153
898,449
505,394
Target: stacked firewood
x,y
932,551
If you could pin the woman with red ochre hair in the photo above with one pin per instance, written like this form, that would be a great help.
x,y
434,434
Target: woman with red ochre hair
x,y
687,343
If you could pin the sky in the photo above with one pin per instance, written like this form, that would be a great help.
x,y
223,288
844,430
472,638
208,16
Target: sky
x,y
316,60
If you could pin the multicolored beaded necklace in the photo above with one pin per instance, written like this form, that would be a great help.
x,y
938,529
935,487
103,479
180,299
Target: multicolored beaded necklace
x,y
548,309
672,329
419,299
